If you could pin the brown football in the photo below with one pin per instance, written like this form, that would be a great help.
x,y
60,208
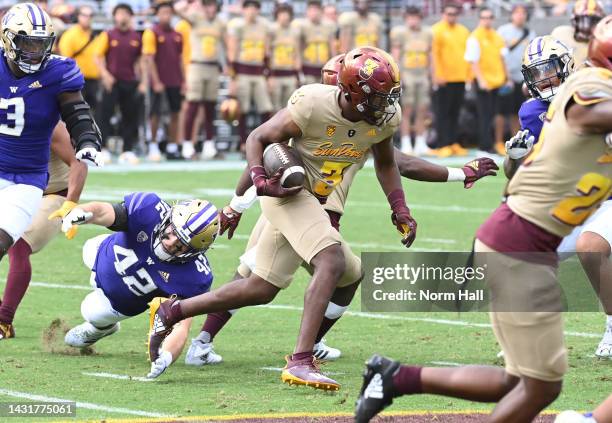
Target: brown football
x,y
279,155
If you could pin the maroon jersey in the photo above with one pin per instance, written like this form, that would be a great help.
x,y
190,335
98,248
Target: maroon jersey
x,y
121,50
166,46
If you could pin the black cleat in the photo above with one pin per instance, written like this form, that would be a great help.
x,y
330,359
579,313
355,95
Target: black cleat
x,y
377,388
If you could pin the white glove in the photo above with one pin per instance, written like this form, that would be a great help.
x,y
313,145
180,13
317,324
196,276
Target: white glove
x,y
160,365
77,216
90,156
520,145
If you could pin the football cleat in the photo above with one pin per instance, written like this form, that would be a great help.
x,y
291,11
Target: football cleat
x,y
323,352
159,324
87,334
377,388
201,353
7,330
604,349
128,158
307,373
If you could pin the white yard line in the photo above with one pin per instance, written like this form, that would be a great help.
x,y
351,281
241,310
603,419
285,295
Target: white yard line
x,y
87,405
445,363
361,314
120,377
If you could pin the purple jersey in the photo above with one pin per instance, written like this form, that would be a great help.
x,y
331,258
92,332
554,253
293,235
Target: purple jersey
x,y
29,111
532,114
128,271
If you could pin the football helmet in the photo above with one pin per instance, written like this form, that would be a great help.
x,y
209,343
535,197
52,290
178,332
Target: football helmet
x,y
330,70
600,47
370,80
585,15
27,36
230,110
194,222
547,62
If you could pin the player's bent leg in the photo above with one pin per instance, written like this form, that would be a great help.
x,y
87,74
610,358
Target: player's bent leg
x,y
528,398
101,320
17,282
5,242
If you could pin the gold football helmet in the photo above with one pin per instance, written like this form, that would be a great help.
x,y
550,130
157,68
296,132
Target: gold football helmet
x,y
27,36
195,223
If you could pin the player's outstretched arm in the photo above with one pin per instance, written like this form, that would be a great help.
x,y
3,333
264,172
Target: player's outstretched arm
x,y
82,127
389,178
280,128
112,216
591,117
172,348
421,170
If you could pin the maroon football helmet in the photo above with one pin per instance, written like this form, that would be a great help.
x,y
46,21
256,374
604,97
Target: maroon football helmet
x,y
330,70
600,47
370,80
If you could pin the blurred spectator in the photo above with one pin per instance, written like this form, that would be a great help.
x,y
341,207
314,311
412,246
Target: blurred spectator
x,y
139,7
284,57
360,27
162,47
58,25
316,41
247,43
330,16
80,43
450,73
207,38
118,57
585,15
485,52
411,47
516,36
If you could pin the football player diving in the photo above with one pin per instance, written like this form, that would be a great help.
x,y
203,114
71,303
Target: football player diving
x,y
157,250
66,180
570,167
548,63
37,89
201,350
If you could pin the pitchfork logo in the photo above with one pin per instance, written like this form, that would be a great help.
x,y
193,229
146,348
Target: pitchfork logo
x,y
368,69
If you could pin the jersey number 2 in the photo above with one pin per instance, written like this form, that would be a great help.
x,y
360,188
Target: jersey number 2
x,y
142,283
591,190
15,118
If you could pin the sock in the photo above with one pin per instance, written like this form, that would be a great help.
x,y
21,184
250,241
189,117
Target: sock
x,y
209,119
406,144
407,380
420,143
214,323
190,115
326,325
17,281
301,356
171,148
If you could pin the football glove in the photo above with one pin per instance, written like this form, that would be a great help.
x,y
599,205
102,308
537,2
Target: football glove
x,y
66,208
76,216
271,187
90,156
520,145
228,221
160,365
477,169
401,218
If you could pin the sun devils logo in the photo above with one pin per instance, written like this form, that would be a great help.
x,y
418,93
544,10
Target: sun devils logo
x,y
331,130
368,69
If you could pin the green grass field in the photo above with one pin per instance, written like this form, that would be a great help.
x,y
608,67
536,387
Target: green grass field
x,y
256,340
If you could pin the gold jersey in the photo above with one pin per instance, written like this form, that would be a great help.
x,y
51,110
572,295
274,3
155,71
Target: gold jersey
x,y
415,48
565,34
337,199
285,45
330,144
568,174
206,38
58,175
252,39
315,41
365,31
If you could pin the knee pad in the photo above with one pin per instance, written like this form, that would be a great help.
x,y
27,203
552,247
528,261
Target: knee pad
x,y
97,310
334,311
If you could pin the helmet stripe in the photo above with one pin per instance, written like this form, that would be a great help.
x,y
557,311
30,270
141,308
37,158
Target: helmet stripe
x,y
33,15
202,219
42,16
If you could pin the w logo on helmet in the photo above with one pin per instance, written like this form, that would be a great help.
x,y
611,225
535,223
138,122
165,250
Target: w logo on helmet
x,y
368,68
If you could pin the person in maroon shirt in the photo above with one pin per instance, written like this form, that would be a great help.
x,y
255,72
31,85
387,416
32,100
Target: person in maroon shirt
x,y
124,79
162,48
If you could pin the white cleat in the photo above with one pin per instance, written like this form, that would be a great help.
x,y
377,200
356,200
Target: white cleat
x,y
129,158
154,153
209,151
201,353
87,334
604,349
107,158
325,353
571,416
188,150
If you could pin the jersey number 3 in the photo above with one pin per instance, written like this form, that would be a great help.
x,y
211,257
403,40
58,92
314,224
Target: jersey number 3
x,y
15,110
142,283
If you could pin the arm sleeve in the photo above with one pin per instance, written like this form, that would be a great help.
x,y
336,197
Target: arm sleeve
x,y
121,218
472,50
149,44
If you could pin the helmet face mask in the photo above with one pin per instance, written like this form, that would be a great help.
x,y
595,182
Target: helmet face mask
x,y
379,108
583,26
546,65
27,37
188,230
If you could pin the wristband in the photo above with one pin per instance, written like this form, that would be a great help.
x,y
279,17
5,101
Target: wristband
x,y
455,175
396,198
240,203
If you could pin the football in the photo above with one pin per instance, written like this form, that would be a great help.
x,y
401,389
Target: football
x,y
279,155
